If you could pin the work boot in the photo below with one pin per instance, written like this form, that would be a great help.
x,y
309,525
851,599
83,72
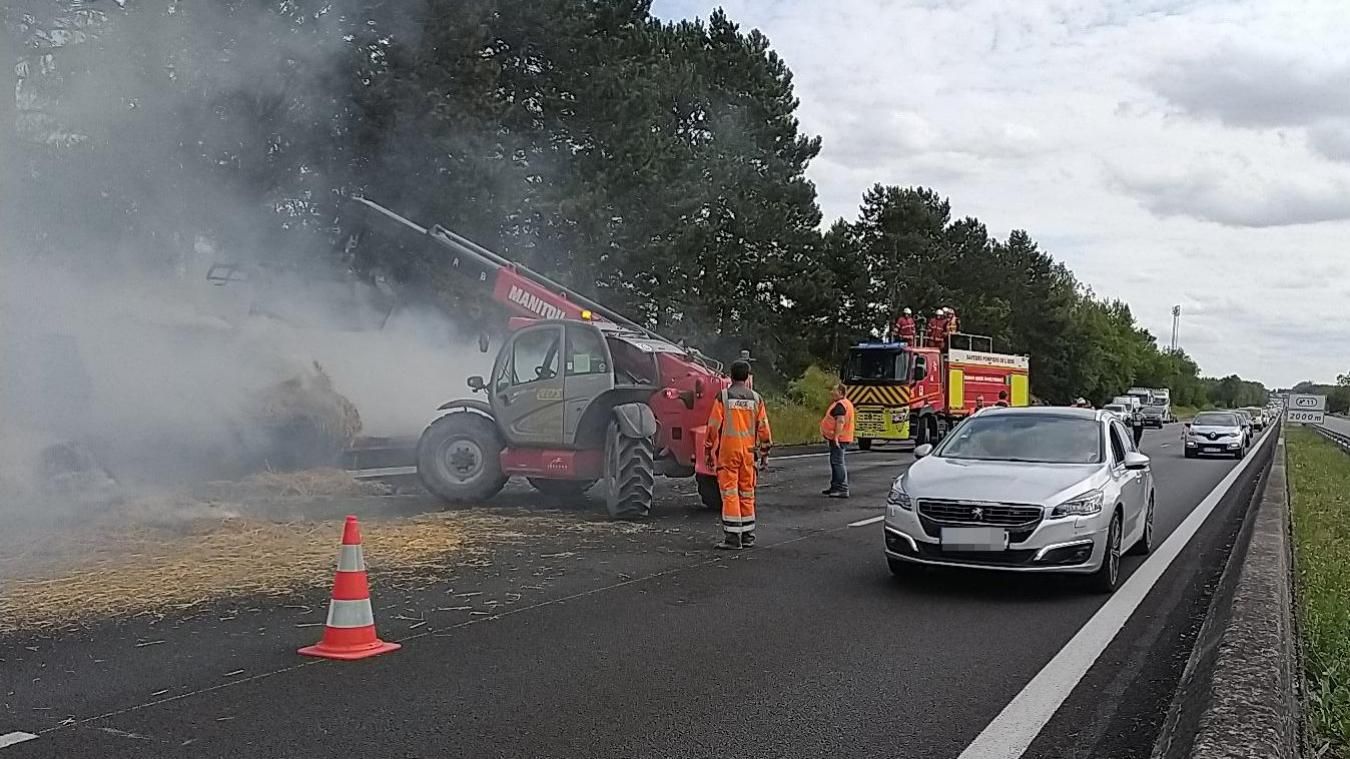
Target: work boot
x,y
748,540
828,491
838,494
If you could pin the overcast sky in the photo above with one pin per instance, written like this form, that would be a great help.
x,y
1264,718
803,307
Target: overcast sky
x,y
1192,152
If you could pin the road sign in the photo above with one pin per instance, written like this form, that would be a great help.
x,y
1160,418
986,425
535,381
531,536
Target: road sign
x,y
1305,417
1307,403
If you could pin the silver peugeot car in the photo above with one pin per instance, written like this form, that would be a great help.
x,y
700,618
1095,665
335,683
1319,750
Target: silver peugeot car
x,y
1036,489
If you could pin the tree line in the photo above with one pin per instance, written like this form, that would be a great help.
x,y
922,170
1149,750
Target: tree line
x,y
658,167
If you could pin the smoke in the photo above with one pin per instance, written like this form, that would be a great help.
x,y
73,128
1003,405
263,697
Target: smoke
x,y
141,142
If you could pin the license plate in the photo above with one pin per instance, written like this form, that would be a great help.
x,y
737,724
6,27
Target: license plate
x,y
871,418
974,539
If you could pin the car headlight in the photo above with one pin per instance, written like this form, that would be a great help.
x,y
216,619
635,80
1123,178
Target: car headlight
x,y
1086,504
898,500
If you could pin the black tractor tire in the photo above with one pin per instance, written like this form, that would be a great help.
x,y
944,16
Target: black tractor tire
x,y
709,494
561,488
459,458
630,474
864,443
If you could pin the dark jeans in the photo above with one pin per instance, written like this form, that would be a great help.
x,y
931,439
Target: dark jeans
x,y
838,474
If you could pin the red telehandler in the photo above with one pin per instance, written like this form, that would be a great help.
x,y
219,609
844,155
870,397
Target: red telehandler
x,y
578,395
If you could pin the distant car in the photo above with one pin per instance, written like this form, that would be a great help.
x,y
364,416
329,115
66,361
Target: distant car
x,y
1247,424
1258,417
1025,490
1122,413
1155,416
1216,432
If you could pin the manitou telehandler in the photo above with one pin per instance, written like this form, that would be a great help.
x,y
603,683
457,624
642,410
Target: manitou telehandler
x,y
578,395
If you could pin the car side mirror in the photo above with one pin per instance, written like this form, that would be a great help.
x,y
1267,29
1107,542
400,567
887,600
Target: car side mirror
x,y
1136,460
476,383
922,451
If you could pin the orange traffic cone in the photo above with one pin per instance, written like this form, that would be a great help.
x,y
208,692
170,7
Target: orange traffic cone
x,y
350,631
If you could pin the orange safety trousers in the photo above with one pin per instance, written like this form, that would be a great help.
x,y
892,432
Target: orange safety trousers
x,y
737,426
736,478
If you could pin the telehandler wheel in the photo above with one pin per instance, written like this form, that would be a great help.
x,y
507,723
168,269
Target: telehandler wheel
x,y
630,474
709,495
459,458
562,488
864,443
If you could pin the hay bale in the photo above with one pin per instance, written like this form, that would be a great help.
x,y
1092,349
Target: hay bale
x,y
305,422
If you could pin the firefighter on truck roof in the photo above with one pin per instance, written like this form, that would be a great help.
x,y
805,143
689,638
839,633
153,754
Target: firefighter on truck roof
x,y
904,327
937,328
738,443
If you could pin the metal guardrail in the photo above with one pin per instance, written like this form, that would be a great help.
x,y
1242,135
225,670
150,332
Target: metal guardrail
x,y
1341,439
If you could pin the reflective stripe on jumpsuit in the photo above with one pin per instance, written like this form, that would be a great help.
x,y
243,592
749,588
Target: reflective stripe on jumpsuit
x,y
738,426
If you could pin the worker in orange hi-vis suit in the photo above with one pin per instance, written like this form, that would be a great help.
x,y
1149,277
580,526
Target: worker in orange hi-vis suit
x,y
738,444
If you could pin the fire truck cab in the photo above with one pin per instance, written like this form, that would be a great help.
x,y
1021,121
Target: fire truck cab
x,y
914,392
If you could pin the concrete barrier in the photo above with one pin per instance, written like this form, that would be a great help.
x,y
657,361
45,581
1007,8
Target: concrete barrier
x,y
1238,697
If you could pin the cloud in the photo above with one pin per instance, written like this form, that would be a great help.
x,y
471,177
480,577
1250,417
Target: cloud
x,y
1148,144
1237,196
1331,140
1248,87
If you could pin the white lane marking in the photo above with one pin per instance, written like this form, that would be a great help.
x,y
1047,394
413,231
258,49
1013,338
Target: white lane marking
x,y
865,522
816,455
1022,719
9,739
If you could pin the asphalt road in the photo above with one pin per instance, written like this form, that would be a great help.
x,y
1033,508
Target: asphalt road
x,y
645,643
1337,424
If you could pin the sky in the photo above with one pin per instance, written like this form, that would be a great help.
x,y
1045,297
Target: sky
x,y
1170,152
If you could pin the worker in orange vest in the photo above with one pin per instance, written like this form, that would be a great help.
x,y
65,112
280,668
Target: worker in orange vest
x,y
737,446
837,429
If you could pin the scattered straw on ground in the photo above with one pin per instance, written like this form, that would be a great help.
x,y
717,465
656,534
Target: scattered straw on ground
x,y
151,570
309,483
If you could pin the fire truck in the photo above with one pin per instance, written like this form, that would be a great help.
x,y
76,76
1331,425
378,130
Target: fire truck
x,y
578,394
918,392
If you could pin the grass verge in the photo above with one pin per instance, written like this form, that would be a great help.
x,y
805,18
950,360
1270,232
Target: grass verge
x,y
1319,475
793,423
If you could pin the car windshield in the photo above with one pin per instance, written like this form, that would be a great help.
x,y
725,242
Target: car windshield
x,y
1031,438
1215,420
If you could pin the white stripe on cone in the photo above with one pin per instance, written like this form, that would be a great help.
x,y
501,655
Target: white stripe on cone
x,y
346,614
350,559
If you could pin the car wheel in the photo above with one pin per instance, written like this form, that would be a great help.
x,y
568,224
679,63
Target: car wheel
x,y
1190,454
864,443
1145,544
1105,579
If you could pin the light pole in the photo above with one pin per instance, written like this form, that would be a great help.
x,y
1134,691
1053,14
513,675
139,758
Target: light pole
x,y
1176,326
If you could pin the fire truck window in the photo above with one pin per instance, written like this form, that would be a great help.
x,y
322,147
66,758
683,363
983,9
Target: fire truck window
x,y
585,352
534,356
